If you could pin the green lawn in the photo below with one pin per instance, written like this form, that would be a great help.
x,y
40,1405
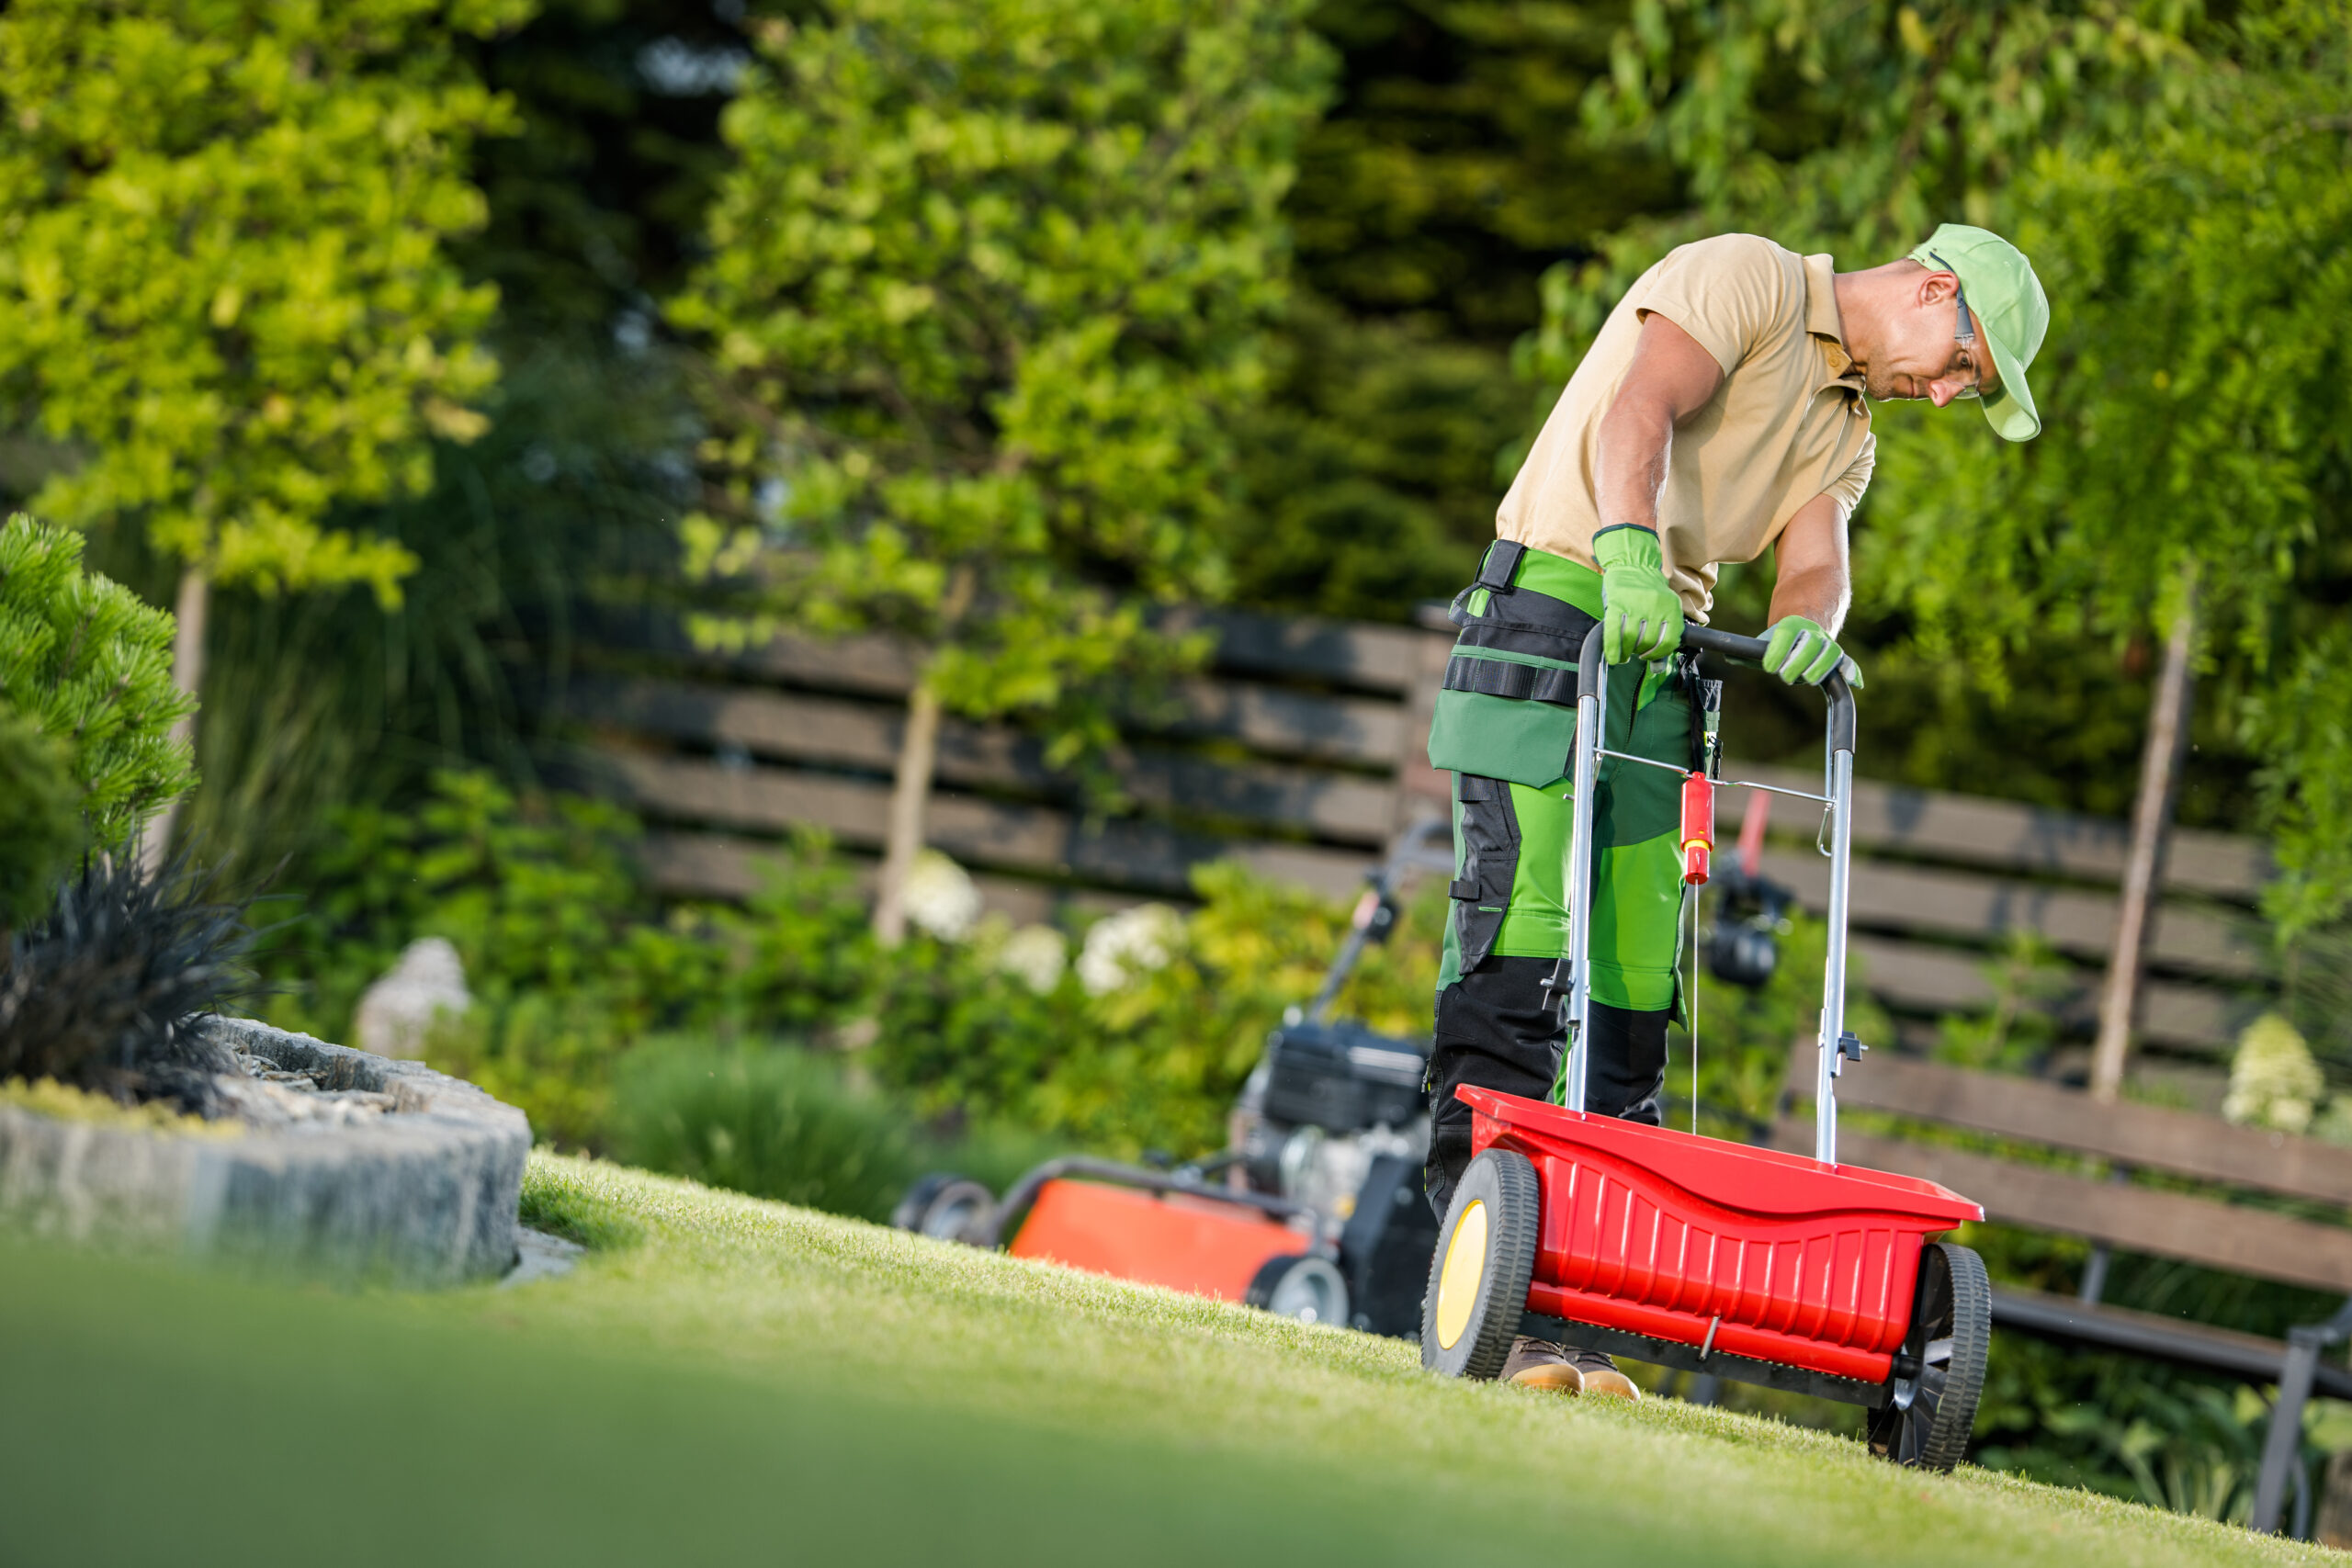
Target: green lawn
x,y
740,1381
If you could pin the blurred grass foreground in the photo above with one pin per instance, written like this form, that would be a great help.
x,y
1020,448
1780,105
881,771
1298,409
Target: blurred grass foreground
x,y
726,1378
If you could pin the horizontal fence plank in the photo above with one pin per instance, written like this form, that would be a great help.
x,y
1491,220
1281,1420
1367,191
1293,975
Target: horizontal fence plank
x,y
727,866
1355,730
1362,655
1365,731
2006,834
1350,807
2138,1219
2030,1110
1308,648
1964,905
1916,978
1144,855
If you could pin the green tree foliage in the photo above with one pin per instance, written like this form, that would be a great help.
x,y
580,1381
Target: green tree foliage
x,y
90,666
988,289
1857,137
223,265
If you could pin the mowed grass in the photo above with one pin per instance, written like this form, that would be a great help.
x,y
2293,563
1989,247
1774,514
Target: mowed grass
x,y
732,1380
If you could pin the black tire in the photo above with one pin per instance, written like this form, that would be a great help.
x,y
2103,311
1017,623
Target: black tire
x,y
1471,1310
944,1205
1925,1424
1301,1285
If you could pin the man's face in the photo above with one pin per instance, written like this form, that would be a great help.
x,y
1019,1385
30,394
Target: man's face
x,y
1920,354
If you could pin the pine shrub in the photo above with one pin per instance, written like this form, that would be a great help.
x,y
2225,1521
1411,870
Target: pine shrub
x,y
90,664
40,825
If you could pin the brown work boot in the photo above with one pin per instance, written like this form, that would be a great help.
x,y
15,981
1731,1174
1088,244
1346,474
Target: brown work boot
x,y
1600,1375
1539,1363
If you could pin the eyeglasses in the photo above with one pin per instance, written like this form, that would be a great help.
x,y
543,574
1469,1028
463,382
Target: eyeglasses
x,y
1963,329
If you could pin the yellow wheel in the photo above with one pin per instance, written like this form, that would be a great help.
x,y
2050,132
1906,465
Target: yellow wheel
x,y
1486,1253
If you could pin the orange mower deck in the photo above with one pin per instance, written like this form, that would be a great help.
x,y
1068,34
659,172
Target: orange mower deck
x,y
1192,1244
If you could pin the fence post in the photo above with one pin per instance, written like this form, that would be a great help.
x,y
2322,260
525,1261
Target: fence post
x,y
2167,746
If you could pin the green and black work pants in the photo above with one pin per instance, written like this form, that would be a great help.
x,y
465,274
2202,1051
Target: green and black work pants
x,y
1504,727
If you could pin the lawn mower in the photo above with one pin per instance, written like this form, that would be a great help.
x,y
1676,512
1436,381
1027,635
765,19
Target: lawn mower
x,y
1314,1210
1691,1252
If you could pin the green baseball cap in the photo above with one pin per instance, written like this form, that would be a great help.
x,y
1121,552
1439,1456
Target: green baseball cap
x,y
2009,309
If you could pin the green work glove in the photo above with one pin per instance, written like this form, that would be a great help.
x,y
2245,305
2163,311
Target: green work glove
x,y
1640,614
1799,652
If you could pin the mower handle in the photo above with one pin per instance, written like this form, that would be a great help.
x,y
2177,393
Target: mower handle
x,y
1750,651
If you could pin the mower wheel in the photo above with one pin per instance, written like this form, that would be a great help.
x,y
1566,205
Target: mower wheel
x,y
1485,1254
1926,1422
944,1205
1300,1285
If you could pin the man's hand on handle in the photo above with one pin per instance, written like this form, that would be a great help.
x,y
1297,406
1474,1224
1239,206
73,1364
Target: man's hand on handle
x,y
1640,614
1800,652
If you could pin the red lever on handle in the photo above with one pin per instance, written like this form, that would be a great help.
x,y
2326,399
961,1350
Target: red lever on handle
x,y
1698,827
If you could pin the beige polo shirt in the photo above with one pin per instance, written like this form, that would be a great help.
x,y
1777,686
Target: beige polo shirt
x,y
1787,424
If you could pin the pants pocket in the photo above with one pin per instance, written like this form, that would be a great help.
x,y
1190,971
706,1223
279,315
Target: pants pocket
x,y
1488,831
1501,737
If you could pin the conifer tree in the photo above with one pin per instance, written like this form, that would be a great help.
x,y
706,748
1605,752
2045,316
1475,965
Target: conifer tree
x,y
88,664
39,824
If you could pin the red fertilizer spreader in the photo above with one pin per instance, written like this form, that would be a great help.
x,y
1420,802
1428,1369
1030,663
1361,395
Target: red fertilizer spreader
x,y
1695,1253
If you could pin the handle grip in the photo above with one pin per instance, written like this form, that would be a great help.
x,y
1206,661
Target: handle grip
x,y
1730,645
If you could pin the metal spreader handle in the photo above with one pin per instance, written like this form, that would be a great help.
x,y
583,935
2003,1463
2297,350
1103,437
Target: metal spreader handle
x,y
1592,704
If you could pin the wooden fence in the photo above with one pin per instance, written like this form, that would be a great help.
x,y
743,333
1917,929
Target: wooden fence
x,y
1300,753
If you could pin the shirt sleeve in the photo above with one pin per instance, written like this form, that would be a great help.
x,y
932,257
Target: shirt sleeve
x,y
1729,293
1848,486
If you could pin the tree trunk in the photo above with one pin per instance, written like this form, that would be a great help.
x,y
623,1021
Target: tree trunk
x,y
2160,763
187,674
910,795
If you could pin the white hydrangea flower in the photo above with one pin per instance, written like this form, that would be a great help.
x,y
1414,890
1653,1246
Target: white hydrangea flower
x,y
2273,1080
940,897
1132,941
1037,955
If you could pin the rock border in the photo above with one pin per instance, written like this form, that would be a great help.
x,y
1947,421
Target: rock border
x,y
425,1195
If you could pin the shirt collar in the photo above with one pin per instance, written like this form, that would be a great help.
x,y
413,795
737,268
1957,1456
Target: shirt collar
x,y
1821,318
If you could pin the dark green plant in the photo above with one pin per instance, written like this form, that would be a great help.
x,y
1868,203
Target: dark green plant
x,y
570,956
779,1121
1157,1062
2016,1033
1746,1036
103,991
562,500
40,822
91,666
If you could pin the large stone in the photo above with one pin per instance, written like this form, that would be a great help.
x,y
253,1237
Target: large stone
x,y
399,1011
423,1194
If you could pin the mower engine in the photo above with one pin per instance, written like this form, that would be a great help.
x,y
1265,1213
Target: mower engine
x,y
1334,1117
1314,1210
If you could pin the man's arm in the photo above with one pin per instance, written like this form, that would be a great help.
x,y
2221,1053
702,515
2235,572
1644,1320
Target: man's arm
x,y
1813,579
1671,378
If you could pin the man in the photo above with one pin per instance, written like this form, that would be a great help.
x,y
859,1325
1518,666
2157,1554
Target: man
x,y
1720,412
